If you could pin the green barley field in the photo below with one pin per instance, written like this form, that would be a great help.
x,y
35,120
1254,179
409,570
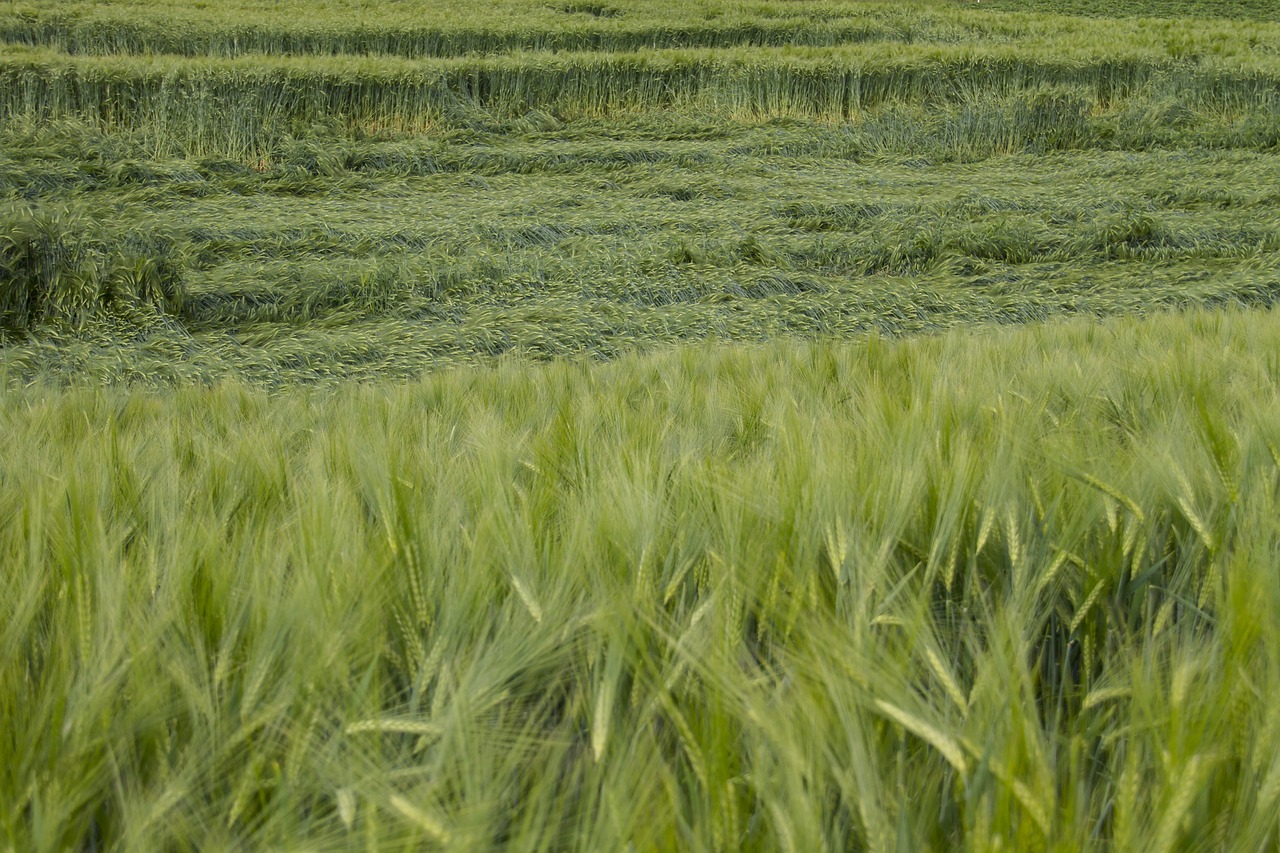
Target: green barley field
x,y
543,425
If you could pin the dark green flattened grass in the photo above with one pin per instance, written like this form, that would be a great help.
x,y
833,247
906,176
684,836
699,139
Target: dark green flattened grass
x,y
53,270
549,238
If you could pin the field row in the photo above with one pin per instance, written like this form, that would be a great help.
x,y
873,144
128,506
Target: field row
x,y
184,107
1255,10
454,29
471,35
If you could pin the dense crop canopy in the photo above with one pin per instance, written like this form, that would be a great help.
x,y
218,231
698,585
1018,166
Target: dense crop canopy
x,y
780,425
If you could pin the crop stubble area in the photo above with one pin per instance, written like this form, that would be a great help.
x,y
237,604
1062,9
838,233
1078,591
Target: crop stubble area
x,y
637,425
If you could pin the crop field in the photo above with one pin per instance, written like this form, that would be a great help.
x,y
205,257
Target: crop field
x,y
207,194
635,425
